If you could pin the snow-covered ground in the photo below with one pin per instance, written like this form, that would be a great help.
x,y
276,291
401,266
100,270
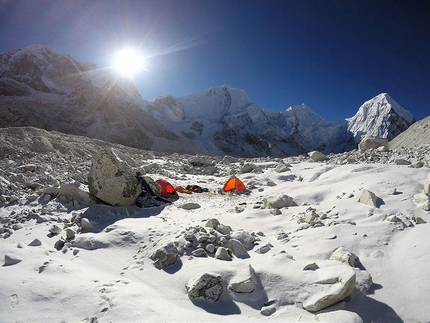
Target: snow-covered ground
x,y
106,275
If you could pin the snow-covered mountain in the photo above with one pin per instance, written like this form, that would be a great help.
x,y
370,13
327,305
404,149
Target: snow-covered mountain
x,y
46,89
225,120
43,88
380,117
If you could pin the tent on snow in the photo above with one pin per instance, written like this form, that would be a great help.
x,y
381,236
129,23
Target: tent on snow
x,y
234,184
167,190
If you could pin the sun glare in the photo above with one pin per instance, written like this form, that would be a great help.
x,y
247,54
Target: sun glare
x,y
128,62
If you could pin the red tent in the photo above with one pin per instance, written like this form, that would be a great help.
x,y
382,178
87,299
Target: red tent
x,y
167,190
234,184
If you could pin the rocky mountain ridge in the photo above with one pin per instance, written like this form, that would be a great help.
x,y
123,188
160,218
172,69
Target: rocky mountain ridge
x,y
50,90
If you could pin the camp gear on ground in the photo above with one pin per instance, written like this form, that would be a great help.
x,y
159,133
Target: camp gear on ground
x,y
148,198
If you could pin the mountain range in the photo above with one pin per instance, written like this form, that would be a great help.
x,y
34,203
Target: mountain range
x,y
43,88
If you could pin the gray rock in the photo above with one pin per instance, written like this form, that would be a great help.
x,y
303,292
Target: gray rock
x,y
278,202
400,161
264,249
210,248
74,191
86,225
372,143
70,233
282,168
275,212
35,243
10,260
224,229
245,238
267,310
59,244
369,198
336,284
418,220
245,281
238,249
190,206
55,229
345,256
422,200
281,234
207,287
199,252
312,266
222,254
363,280
165,256
212,223
317,156
112,180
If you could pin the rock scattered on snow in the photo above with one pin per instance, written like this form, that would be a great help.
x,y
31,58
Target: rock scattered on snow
x,y
207,287
165,256
222,254
238,249
278,202
369,198
10,260
345,256
190,206
35,243
336,283
363,280
422,200
244,281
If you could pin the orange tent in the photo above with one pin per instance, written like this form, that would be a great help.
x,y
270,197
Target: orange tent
x,y
167,190
234,184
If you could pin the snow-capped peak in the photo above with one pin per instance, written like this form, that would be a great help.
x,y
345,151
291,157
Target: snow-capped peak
x,y
381,116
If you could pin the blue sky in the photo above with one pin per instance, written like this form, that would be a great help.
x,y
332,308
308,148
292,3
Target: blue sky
x,y
331,55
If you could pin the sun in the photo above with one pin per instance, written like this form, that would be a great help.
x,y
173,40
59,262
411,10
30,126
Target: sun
x,y
128,62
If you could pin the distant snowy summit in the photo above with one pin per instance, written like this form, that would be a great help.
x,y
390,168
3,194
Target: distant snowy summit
x,y
43,88
225,120
380,117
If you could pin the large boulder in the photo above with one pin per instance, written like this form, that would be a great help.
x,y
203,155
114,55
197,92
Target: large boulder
x,y
334,285
112,179
317,156
208,287
372,143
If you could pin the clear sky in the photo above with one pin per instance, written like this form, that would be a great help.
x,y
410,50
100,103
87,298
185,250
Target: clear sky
x,y
331,55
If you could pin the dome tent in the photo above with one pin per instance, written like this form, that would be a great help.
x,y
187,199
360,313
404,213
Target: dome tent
x,y
167,190
234,184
